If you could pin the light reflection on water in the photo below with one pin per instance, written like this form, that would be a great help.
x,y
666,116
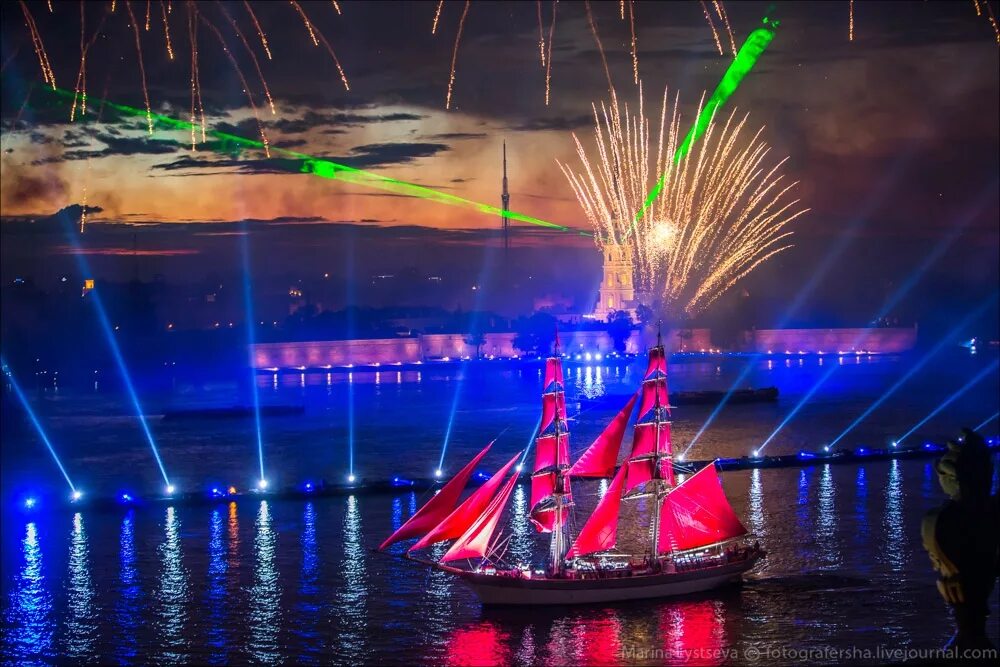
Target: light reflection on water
x,y
826,519
265,610
892,524
172,594
81,623
128,607
352,595
756,514
309,605
28,621
216,597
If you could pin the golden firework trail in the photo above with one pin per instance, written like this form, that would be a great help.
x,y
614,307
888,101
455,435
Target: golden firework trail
x,y
195,75
437,16
253,56
142,66
600,47
975,3
548,57
305,19
243,80
850,23
635,44
113,4
80,90
49,2
336,7
711,24
454,54
724,210
720,9
317,37
260,31
166,30
993,21
148,7
541,33
48,76
621,9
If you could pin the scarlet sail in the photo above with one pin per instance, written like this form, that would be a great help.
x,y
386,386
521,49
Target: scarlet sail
x,y
601,530
550,492
438,507
601,457
697,513
466,514
475,542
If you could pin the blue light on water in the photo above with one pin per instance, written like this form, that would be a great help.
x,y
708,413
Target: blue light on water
x,y
951,399
81,624
308,487
29,503
216,602
127,606
172,593
29,627
125,498
265,594
34,421
399,481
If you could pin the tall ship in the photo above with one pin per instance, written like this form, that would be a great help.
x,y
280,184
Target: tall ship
x,y
695,540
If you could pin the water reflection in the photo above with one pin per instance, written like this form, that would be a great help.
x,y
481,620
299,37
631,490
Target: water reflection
x,y
352,598
520,528
81,620
265,610
309,605
216,597
862,530
826,528
127,609
172,594
693,634
802,514
895,534
481,644
756,516
28,622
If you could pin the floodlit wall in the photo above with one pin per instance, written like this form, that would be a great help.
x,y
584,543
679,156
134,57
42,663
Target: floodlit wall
x,y
810,341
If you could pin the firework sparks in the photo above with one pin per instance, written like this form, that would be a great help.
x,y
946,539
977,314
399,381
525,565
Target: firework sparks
x,y
253,57
243,80
336,7
720,9
437,16
454,54
142,66
148,7
166,29
196,103
600,47
260,31
991,17
724,210
711,24
548,57
541,33
635,44
318,37
850,23
48,76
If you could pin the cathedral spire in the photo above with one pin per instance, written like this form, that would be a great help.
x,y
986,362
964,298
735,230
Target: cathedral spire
x,y
505,200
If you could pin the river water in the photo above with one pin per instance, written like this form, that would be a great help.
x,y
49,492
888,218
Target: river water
x,y
294,581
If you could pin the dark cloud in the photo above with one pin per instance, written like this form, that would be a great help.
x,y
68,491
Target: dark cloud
x,y
119,145
445,136
558,123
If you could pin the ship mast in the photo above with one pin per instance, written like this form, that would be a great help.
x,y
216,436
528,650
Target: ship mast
x,y
657,486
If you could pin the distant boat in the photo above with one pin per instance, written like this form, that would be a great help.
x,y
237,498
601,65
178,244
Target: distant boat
x,y
233,412
738,396
697,542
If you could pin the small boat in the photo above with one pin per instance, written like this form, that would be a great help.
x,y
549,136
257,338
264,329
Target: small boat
x,y
697,542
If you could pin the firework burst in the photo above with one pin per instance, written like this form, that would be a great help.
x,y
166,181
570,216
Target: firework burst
x,y
723,211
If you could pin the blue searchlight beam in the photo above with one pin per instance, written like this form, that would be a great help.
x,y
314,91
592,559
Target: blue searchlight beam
x,y
951,399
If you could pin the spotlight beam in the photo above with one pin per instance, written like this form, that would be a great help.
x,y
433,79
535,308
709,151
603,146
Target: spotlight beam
x,y
915,368
987,195
37,424
988,420
308,164
951,399
248,311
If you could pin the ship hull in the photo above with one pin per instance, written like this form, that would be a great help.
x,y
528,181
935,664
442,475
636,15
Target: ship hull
x,y
502,590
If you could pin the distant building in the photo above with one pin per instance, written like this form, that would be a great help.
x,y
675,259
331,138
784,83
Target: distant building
x,y
617,291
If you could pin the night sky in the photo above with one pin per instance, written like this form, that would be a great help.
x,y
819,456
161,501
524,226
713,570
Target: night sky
x,y
894,138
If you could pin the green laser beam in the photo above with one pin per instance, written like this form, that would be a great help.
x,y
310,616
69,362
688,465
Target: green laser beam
x,y
308,164
746,58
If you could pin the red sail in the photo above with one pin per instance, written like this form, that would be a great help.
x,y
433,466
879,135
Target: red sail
x,y
653,394
553,407
657,363
601,457
466,514
548,455
542,487
438,507
475,542
601,530
640,472
697,513
645,437
553,373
